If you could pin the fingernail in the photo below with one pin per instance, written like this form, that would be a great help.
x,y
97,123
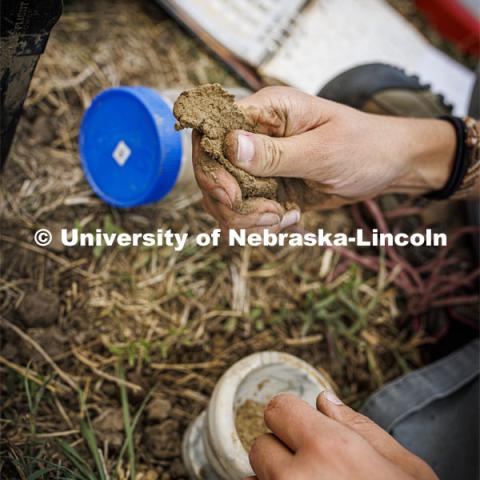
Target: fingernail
x,y
290,218
221,196
245,149
331,397
268,219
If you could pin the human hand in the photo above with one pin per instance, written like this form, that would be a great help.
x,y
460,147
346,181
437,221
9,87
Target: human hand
x,y
332,442
326,155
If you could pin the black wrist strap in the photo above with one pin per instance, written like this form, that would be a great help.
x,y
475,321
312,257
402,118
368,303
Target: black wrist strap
x,y
460,165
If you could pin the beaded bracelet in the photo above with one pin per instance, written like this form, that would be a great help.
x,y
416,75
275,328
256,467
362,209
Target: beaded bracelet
x,y
472,141
466,167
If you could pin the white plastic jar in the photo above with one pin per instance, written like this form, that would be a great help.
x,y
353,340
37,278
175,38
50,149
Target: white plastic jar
x,y
212,449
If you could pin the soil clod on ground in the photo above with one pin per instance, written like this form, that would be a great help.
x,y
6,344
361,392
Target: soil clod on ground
x,y
158,409
109,426
39,309
212,111
249,422
163,440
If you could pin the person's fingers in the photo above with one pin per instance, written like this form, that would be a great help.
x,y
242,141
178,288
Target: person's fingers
x,y
331,406
294,422
256,214
284,111
206,205
260,205
269,457
212,178
264,156
262,213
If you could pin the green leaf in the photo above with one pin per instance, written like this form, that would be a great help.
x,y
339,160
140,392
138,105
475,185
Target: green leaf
x,y
135,421
109,226
76,460
39,473
256,313
128,424
89,436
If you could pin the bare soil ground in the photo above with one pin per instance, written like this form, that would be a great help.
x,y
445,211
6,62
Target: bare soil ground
x,y
107,354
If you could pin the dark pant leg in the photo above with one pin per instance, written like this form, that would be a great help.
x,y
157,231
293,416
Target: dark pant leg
x,y
434,412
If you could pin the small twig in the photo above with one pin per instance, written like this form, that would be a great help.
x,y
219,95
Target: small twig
x,y
457,283
66,433
64,376
461,319
46,253
63,413
106,376
460,300
401,212
25,372
377,214
302,341
186,366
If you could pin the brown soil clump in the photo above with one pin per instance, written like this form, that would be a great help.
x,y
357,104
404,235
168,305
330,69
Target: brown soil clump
x,y
39,309
249,422
163,440
212,111
158,409
109,426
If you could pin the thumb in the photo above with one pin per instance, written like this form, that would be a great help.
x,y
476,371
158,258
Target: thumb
x,y
265,156
331,406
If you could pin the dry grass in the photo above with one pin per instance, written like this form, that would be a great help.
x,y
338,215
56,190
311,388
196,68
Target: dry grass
x,y
173,320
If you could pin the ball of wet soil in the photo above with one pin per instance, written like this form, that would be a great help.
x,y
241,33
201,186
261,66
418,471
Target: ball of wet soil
x,y
212,111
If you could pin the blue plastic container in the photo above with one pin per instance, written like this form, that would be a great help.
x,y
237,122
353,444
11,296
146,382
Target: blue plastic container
x,y
130,150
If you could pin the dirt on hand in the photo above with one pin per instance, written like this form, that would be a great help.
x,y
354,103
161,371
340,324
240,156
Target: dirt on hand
x,y
249,422
212,111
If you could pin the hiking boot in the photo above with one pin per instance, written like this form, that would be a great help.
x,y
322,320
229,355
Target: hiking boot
x,y
385,90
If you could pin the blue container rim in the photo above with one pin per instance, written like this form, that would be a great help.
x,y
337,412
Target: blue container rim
x,y
131,92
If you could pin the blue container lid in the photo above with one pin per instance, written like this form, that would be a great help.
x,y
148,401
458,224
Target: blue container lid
x,y
130,151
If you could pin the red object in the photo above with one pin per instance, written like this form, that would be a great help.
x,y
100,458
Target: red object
x,y
455,21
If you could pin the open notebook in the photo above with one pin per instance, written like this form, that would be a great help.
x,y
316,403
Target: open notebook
x,y
306,43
